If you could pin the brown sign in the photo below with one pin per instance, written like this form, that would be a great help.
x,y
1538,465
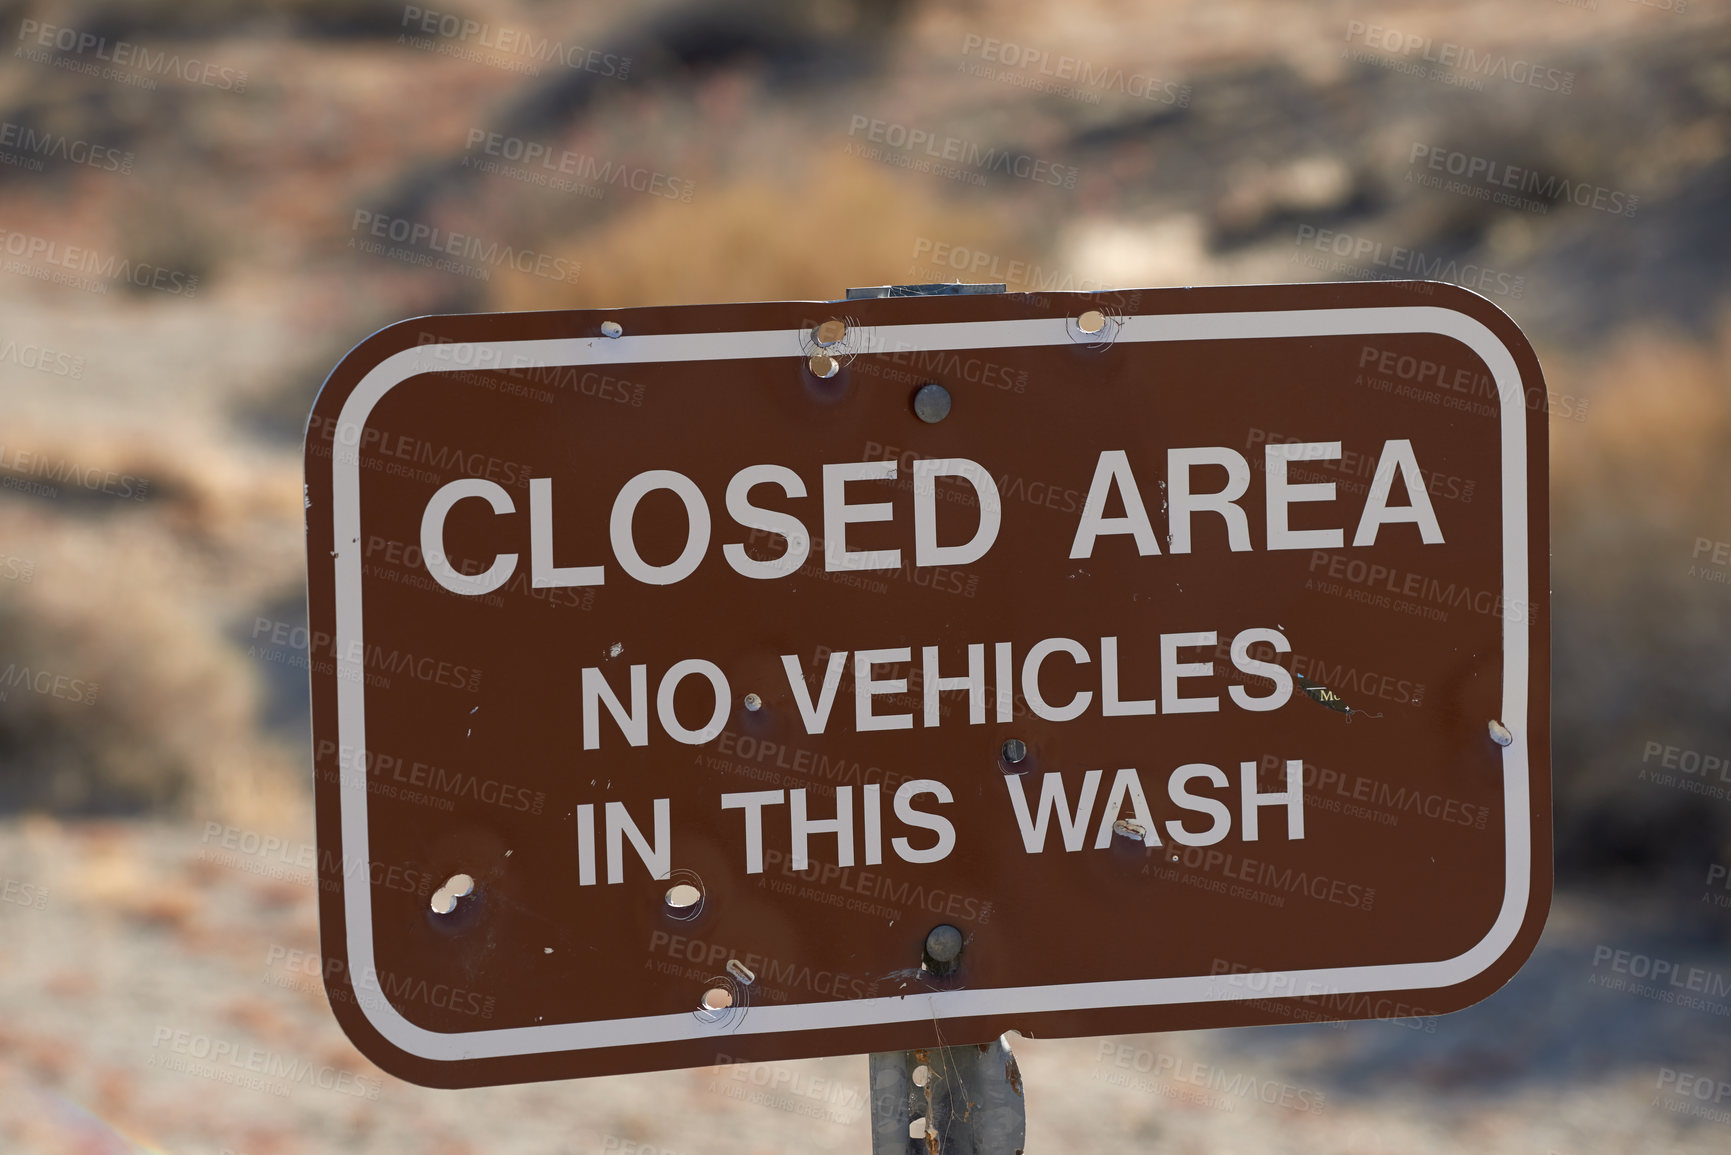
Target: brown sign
x,y
684,669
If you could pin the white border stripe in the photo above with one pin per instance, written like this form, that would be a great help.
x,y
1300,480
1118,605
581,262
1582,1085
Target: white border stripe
x,y
351,697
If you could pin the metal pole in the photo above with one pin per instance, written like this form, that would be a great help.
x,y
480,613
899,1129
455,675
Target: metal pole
x,y
967,1100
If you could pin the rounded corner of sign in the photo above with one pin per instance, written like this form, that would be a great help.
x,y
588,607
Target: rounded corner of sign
x,y
397,1061
421,325
1447,289
1487,315
1502,969
362,358
396,1045
1460,299
1508,960
1492,339
366,1035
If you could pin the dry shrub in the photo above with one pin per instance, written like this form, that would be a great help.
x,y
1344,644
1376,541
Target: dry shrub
x,y
120,700
121,692
1656,432
806,237
212,490
1640,623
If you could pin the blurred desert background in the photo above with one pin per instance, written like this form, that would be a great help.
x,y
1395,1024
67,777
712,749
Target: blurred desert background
x,y
154,729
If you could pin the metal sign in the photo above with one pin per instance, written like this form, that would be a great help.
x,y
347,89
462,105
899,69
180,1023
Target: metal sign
x,y
777,680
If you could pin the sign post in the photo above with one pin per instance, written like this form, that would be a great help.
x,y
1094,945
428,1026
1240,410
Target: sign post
x,y
745,682
968,1099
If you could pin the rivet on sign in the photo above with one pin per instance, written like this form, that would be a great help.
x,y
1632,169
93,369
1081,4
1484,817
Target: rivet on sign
x,y
1092,321
612,329
943,947
931,403
823,365
444,900
830,332
1014,751
1500,733
682,896
753,703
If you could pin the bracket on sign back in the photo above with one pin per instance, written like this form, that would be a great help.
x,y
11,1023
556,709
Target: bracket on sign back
x,y
934,289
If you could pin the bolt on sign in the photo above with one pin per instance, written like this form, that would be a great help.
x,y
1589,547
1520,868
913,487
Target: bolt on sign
x,y
775,680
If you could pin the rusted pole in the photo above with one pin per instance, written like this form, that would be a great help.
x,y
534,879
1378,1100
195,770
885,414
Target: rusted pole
x,y
963,1100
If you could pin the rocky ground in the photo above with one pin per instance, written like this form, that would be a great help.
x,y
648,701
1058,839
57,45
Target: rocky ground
x,y
161,995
